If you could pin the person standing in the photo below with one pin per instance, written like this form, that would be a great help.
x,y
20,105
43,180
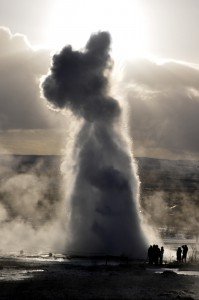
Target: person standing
x,y
161,255
179,254
184,253
150,255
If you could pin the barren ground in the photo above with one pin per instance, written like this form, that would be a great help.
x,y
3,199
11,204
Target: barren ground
x,y
60,280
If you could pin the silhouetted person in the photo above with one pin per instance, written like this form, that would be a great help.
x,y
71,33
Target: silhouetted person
x,y
161,255
154,251
179,254
150,255
184,253
156,254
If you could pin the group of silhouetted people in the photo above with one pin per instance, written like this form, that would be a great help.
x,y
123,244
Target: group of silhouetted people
x,y
181,253
155,255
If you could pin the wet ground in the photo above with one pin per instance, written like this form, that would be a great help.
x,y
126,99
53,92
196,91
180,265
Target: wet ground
x,y
43,277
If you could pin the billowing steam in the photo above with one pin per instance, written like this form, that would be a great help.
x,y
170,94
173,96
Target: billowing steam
x,y
103,189
30,210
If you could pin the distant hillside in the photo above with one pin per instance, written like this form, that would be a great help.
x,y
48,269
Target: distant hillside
x,y
168,175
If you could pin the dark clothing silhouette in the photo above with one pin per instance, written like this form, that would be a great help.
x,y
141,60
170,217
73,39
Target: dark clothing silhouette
x,y
184,253
179,253
150,255
155,255
161,255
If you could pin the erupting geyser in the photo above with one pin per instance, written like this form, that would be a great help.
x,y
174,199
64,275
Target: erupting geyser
x,y
104,198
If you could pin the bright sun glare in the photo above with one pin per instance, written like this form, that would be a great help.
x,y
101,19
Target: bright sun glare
x,y
72,22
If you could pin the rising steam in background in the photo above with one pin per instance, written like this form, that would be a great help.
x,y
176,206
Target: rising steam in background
x,y
31,212
102,184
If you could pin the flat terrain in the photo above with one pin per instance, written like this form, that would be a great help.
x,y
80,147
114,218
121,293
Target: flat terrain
x,y
56,279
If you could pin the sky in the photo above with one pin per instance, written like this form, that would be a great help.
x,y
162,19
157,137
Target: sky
x,y
155,51
163,28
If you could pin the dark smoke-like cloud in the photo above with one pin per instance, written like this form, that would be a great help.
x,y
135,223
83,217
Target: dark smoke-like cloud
x,y
78,82
20,70
164,105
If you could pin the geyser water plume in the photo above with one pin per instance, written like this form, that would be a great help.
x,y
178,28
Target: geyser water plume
x,y
104,195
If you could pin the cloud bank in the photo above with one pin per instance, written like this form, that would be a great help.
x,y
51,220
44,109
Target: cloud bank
x,y
20,70
164,105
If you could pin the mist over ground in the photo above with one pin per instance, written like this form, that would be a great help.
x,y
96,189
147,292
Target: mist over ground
x,y
169,200
31,211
